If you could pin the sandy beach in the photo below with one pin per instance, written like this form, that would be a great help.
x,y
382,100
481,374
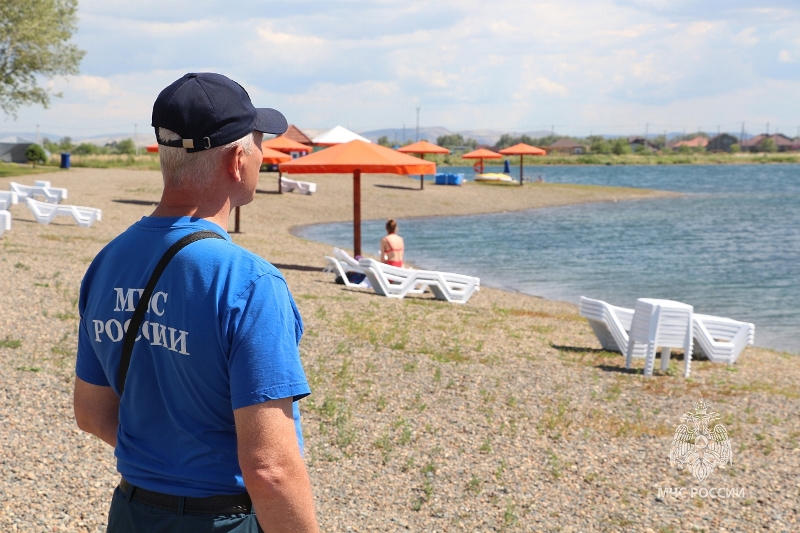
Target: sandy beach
x,y
501,415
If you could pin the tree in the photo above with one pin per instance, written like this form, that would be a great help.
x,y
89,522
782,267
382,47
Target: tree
x,y
34,43
599,145
65,144
35,154
450,141
384,141
126,146
768,145
620,146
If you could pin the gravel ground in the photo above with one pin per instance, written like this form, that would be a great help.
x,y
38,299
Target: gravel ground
x,y
501,415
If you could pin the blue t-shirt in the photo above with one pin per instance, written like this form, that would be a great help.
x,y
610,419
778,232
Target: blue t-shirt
x,y
221,333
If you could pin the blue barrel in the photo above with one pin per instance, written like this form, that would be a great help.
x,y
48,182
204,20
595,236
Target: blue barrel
x,y
65,160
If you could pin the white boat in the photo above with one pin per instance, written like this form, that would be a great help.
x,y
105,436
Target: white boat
x,y
494,176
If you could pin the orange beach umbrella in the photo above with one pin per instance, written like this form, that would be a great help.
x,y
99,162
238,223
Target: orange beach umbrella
x,y
481,154
522,150
273,157
358,157
286,145
422,148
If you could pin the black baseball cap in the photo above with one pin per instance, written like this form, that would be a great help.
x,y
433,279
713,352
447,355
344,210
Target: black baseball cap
x,y
209,110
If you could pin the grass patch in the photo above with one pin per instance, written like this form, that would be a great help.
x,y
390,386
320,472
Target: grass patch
x,y
451,355
144,161
10,343
8,170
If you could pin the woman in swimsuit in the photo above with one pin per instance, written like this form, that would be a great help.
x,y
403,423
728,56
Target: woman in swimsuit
x,y
392,246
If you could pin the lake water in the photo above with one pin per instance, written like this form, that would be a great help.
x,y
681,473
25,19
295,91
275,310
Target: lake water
x,y
730,246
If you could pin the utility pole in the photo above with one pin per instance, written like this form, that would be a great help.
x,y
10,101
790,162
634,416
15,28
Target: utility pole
x,y
136,138
741,137
646,131
767,128
417,136
39,138
404,135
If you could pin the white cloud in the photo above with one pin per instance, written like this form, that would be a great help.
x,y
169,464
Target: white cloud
x,y
517,66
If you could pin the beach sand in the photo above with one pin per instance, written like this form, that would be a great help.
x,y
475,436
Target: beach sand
x,y
503,414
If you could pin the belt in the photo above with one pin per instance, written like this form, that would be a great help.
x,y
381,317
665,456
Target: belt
x,y
222,504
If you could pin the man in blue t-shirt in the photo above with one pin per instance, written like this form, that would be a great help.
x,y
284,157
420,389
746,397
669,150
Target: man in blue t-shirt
x,y
202,422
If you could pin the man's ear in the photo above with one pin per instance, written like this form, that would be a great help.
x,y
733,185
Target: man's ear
x,y
234,160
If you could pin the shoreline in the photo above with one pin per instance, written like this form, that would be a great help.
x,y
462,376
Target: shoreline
x,y
502,414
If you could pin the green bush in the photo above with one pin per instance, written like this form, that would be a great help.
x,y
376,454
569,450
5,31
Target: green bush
x,y
620,146
35,154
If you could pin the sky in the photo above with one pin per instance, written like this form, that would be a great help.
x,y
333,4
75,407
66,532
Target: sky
x,y
616,67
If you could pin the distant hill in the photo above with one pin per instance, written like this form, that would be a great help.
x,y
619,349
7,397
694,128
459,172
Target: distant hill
x,y
144,138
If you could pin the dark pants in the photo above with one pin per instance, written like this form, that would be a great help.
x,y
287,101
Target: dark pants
x,y
136,517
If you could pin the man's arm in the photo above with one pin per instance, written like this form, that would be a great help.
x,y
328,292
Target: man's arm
x,y
273,471
97,410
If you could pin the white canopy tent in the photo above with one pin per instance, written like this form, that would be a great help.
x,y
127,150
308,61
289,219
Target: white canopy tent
x,y
337,135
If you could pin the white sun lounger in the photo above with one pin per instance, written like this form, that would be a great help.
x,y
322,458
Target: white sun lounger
x,y
45,212
7,199
721,339
349,262
395,282
5,221
334,265
611,324
43,189
303,187
342,262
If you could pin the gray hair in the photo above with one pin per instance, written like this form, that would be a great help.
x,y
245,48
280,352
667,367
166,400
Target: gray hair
x,y
181,168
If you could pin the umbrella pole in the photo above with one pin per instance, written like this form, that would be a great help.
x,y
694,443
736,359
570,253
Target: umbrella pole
x,y
280,182
421,176
356,213
520,168
236,225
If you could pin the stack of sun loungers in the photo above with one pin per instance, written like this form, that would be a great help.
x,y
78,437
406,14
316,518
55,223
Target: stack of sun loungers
x,y
7,199
46,212
395,282
41,189
610,324
663,323
720,339
303,187
5,221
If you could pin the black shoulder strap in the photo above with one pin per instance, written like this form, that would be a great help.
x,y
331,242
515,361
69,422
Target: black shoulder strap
x,y
144,301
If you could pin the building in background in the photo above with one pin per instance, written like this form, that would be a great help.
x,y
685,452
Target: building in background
x,y
721,143
782,143
566,146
